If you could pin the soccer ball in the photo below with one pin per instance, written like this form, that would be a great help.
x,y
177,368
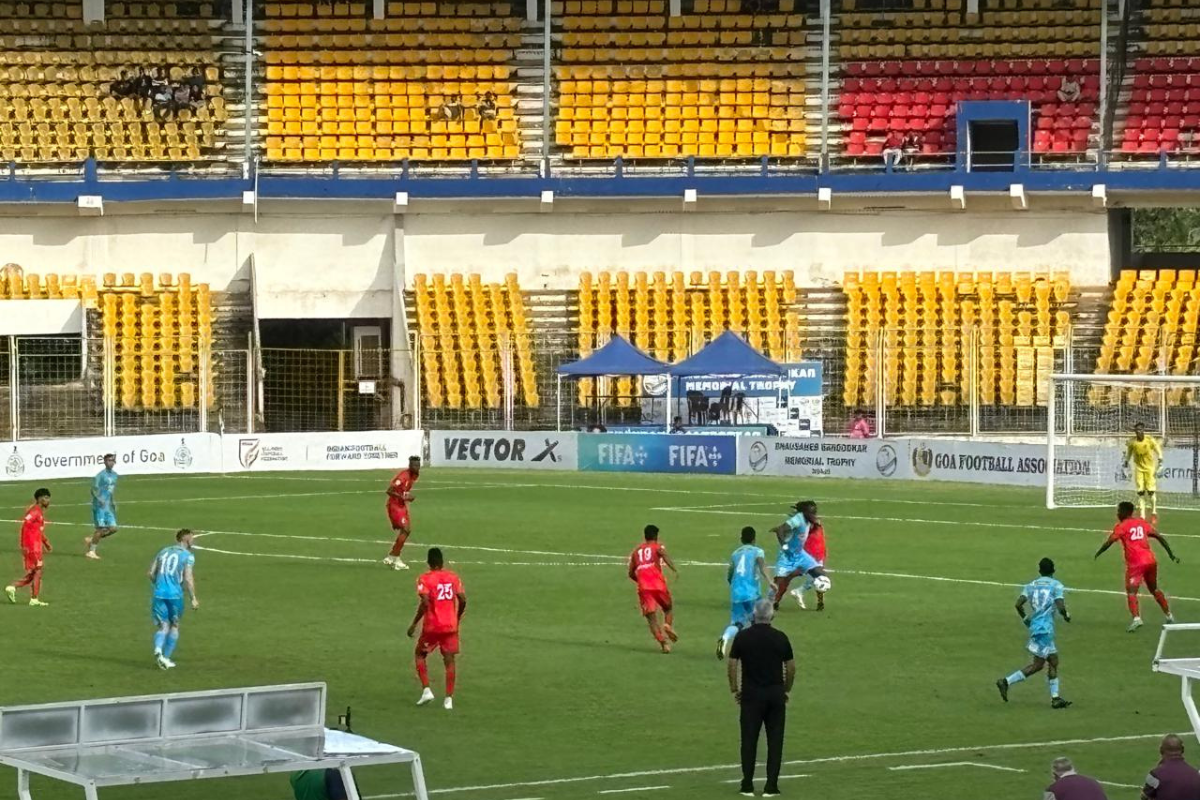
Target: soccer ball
x,y
822,583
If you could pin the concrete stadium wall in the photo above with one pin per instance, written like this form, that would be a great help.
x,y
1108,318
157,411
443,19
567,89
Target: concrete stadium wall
x,y
310,264
343,260
546,250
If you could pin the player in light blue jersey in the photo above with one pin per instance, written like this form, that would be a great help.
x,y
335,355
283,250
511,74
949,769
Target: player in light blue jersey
x,y
1045,595
746,575
793,561
171,574
104,506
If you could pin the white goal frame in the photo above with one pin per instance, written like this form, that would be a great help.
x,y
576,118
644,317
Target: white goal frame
x,y
1071,380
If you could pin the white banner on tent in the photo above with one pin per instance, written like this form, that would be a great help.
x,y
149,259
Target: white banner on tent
x,y
321,451
170,454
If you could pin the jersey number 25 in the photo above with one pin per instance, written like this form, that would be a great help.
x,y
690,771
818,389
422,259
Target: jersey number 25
x,y
445,591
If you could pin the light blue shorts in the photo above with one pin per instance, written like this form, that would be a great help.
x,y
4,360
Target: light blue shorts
x,y
104,518
1042,645
742,613
167,611
794,564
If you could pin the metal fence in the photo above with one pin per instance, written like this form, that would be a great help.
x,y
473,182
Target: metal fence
x,y
326,390
63,386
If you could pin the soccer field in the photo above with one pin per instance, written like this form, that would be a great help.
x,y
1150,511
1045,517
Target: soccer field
x,y
562,692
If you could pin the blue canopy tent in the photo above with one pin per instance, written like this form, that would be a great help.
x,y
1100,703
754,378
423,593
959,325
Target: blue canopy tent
x,y
617,358
727,355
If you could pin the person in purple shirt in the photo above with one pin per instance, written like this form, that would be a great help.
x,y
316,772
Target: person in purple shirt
x,y
1070,785
1173,778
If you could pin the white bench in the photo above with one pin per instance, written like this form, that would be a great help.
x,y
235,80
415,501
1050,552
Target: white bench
x,y
1188,669
188,736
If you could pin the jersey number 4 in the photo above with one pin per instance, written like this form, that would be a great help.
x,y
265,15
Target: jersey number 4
x,y
445,591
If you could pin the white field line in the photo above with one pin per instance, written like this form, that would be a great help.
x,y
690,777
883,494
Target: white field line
x,y
781,777
1028,527
1119,785
634,789
280,495
345,560
975,764
825,760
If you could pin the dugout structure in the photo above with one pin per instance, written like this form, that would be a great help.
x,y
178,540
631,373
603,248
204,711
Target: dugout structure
x,y
1091,418
189,736
1186,668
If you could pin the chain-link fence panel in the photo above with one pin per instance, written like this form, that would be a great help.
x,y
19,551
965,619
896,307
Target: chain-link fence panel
x,y
59,387
925,375
326,390
159,384
7,364
231,409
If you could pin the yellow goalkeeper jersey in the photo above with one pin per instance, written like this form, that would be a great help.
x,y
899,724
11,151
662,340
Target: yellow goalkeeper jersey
x,y
1145,454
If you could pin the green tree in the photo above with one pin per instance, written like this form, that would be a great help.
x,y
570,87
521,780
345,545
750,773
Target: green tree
x,y
1166,230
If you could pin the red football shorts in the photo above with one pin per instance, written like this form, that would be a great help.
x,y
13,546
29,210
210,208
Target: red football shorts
x,y
33,559
652,600
446,642
1135,575
398,515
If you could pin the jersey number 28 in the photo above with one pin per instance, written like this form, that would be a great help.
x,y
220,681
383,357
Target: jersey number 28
x,y
1137,533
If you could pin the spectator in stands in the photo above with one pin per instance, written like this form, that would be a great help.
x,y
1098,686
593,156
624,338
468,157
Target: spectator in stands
x,y
1187,140
1173,778
487,106
198,85
1069,91
453,109
860,426
913,143
1070,785
893,150
181,98
122,87
677,425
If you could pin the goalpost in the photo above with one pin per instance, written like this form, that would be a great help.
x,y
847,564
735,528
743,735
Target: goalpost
x,y
1089,421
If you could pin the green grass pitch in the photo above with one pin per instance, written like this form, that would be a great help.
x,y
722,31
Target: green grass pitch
x,y
562,692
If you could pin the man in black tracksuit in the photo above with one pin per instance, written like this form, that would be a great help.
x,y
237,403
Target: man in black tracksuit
x,y
768,670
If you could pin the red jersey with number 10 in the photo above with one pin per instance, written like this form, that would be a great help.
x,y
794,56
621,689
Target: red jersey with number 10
x,y
33,529
1133,534
402,484
440,588
647,566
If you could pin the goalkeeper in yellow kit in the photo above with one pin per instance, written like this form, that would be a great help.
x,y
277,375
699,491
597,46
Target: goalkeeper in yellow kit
x,y
1146,453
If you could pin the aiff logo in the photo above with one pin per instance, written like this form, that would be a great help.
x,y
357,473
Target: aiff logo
x,y
248,452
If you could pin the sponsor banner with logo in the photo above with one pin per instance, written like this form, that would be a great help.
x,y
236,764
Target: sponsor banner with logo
x,y
504,449
816,457
997,462
320,451
166,454
650,452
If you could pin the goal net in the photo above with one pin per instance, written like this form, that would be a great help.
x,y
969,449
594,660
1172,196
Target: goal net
x,y
1090,422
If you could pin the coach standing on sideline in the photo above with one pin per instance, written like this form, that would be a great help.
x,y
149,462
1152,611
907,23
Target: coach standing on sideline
x,y
768,672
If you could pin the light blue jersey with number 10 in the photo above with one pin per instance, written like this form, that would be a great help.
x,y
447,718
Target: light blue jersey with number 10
x,y
171,565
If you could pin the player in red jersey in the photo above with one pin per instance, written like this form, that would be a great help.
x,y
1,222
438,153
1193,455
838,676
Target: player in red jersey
x,y
646,571
1134,534
814,545
441,608
33,545
399,496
